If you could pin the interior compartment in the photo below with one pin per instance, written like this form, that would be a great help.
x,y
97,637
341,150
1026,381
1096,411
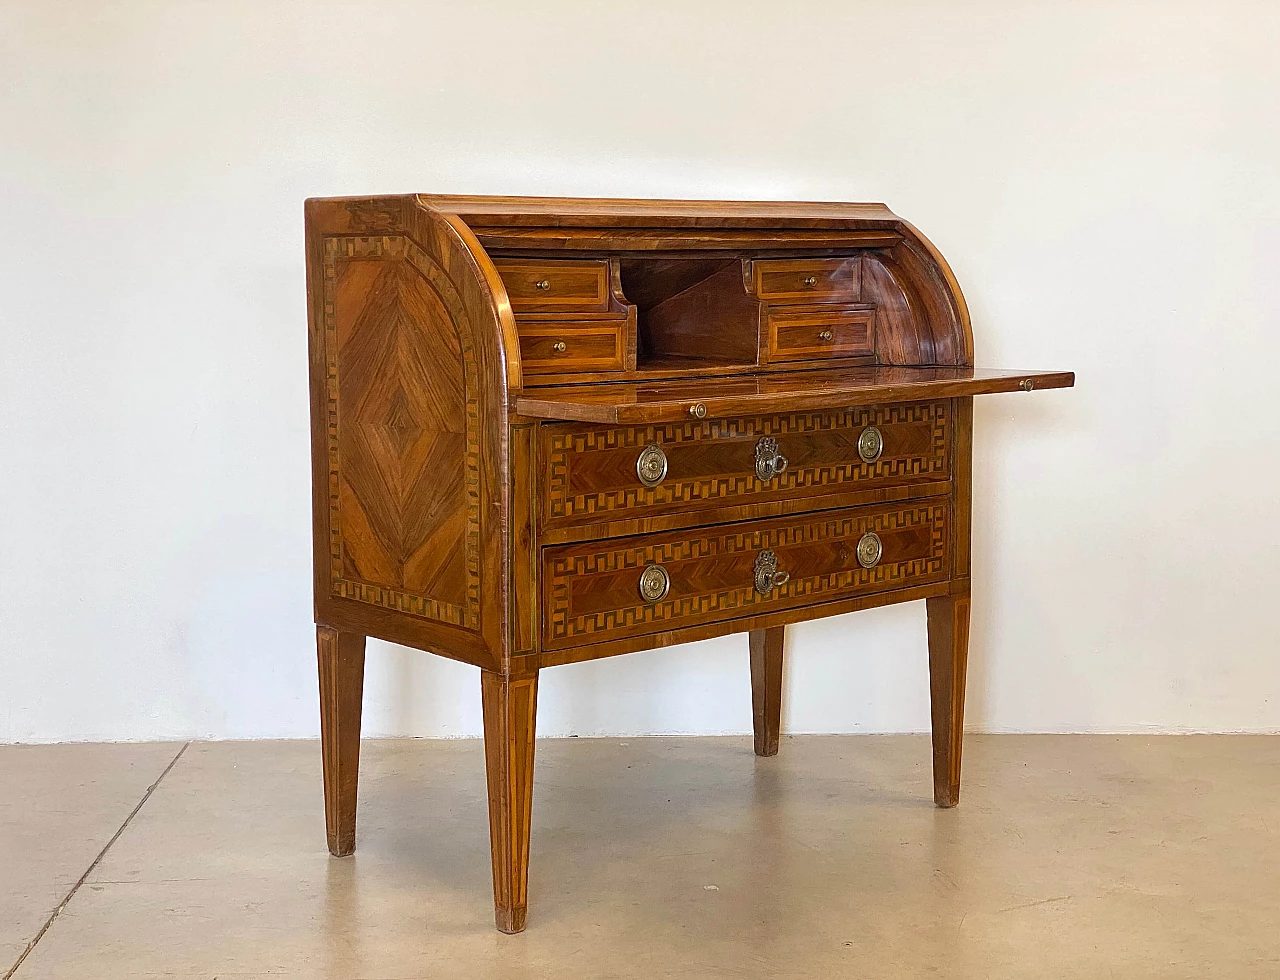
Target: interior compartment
x,y
697,315
691,311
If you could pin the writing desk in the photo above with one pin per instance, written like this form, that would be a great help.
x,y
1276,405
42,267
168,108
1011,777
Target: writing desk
x,y
550,430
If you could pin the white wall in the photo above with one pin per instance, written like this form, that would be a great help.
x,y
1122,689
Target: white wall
x,y
1103,179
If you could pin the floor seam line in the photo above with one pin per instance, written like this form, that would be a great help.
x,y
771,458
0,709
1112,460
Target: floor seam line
x,y
96,861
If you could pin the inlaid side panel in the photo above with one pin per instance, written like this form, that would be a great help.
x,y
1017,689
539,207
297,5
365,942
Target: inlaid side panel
x,y
592,591
403,437
591,470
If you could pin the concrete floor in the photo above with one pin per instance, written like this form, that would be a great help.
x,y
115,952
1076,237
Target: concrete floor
x,y
1069,857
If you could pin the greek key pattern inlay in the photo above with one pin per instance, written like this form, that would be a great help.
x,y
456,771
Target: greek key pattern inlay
x,y
566,570
564,447
400,247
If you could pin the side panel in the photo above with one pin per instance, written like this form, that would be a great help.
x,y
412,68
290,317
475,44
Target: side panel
x,y
921,316
936,296
409,440
962,494
402,419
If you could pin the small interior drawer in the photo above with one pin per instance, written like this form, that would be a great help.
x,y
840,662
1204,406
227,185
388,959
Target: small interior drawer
x,y
534,285
569,346
807,280
796,334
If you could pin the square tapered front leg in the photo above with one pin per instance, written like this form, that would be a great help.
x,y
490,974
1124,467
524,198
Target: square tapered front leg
x,y
341,661
948,662
510,704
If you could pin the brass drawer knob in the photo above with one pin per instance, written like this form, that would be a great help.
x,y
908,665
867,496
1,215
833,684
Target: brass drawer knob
x,y
825,335
870,444
651,465
870,550
810,281
768,577
559,347
1027,385
769,462
698,410
542,284
654,583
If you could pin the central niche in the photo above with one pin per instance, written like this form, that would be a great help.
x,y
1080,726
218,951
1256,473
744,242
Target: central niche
x,y
691,311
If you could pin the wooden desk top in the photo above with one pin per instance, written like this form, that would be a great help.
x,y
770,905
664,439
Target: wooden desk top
x,y
658,213
670,401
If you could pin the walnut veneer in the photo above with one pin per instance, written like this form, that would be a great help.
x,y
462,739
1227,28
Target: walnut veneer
x,y
551,430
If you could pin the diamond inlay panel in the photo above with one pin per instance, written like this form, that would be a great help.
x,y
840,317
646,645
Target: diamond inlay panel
x,y
403,433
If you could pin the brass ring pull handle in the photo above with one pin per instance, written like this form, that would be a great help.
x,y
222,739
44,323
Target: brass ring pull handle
x,y
654,583
870,550
870,444
825,335
651,465
559,347
767,575
698,410
810,281
769,462
542,284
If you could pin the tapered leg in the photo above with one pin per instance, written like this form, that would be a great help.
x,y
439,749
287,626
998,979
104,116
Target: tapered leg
x,y
948,660
510,704
766,688
341,657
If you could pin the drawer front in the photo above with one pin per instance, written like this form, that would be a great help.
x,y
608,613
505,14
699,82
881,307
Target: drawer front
x,y
807,280
806,335
605,590
555,286
591,473
568,347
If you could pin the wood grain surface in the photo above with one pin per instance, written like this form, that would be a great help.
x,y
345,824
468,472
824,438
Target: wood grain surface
x,y
766,688
341,661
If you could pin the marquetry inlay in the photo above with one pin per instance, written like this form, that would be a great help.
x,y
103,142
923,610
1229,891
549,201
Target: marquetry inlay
x,y
583,478
402,428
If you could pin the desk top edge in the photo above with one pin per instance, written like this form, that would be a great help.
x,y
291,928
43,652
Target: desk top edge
x,y
578,212
669,401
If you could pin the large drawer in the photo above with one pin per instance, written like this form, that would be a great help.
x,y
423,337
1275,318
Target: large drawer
x,y
594,473
621,587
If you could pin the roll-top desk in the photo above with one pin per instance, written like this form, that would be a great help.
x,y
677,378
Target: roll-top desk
x,y
550,430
